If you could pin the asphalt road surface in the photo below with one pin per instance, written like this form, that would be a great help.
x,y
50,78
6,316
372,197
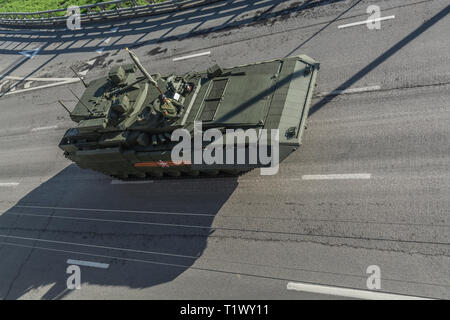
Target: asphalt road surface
x,y
369,186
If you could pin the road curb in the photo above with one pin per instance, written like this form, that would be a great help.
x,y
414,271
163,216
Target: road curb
x,y
48,18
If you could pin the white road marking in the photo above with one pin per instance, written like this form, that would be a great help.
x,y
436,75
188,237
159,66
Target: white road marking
x,y
365,22
30,53
44,128
130,182
192,56
3,84
84,72
27,84
107,40
336,176
9,184
39,79
43,87
88,264
118,211
97,246
349,293
348,91
91,62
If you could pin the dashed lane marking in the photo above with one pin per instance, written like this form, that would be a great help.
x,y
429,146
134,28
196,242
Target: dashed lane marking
x,y
43,87
349,293
44,128
195,55
346,176
38,79
9,184
365,22
88,263
348,91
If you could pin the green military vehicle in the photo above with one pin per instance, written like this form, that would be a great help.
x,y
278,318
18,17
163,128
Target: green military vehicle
x,y
126,121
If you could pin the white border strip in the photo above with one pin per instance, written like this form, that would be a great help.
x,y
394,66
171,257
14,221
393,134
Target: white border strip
x,y
192,56
88,264
349,293
336,176
365,22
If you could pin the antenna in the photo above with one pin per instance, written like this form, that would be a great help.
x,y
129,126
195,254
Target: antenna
x,y
90,112
62,105
81,79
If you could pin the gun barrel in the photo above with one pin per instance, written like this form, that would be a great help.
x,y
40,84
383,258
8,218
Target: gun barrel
x,y
141,67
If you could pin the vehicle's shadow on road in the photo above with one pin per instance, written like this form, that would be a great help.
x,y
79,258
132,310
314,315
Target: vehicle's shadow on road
x,y
149,233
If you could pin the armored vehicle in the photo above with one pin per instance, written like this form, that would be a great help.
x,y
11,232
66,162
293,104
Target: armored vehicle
x,y
127,119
